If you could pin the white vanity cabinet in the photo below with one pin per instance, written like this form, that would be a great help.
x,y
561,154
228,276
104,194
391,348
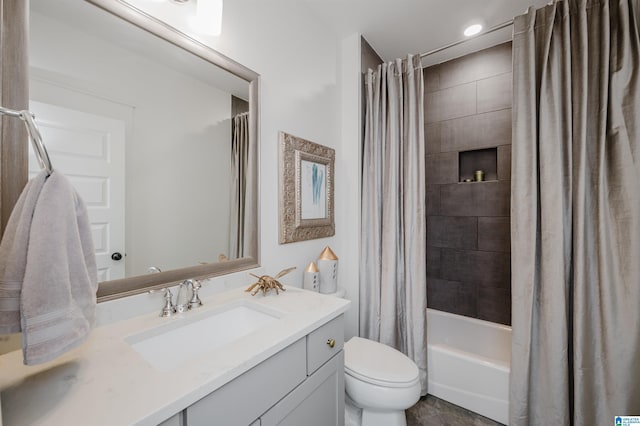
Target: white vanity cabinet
x,y
301,384
289,371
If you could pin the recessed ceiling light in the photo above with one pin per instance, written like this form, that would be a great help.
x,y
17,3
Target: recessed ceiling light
x,y
472,30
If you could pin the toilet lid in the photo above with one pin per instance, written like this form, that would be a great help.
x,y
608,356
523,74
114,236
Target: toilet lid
x,y
380,364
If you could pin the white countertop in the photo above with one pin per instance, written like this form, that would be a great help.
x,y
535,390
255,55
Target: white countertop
x,y
106,382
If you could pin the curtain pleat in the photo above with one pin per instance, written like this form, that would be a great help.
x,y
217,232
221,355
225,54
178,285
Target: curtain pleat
x,y
240,153
576,214
393,234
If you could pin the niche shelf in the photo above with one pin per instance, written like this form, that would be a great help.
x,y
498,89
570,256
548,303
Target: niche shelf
x,y
479,159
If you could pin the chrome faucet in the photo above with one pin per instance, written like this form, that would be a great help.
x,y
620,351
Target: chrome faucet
x,y
181,304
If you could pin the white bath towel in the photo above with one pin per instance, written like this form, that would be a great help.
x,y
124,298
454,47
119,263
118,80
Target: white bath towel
x,y
59,284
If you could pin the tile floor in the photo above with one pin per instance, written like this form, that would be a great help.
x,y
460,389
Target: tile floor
x,y
431,411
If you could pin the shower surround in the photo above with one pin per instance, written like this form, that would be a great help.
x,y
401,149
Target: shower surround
x,y
468,127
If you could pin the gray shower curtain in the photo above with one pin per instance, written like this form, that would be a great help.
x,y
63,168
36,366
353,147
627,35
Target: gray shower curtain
x,y
576,214
240,153
393,280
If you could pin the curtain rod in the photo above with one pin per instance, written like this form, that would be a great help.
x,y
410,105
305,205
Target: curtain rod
x,y
455,43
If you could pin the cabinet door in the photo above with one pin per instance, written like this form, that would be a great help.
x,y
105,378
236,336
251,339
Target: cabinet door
x,y
318,401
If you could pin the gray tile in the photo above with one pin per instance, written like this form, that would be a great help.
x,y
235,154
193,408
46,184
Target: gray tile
x,y
433,200
453,102
432,138
492,198
478,131
442,168
456,199
494,234
450,296
433,262
431,78
475,199
495,93
476,66
452,232
479,267
504,162
494,304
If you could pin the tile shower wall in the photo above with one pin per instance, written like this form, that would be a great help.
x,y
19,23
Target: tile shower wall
x,y
468,107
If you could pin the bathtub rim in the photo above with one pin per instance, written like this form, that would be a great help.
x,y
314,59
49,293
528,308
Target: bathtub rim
x,y
478,321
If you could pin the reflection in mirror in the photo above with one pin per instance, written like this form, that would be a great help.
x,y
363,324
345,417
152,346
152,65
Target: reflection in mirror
x,y
155,138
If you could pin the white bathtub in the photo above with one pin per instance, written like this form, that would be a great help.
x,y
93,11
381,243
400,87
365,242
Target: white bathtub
x,y
469,363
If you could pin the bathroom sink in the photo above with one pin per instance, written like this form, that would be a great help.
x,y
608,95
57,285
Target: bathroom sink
x,y
187,337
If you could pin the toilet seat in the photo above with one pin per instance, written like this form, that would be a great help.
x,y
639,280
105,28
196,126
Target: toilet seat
x,y
379,364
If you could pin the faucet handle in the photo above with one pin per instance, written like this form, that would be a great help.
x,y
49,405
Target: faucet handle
x,y
195,301
168,309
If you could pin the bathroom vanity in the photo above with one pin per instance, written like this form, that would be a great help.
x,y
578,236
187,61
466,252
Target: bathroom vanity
x,y
263,360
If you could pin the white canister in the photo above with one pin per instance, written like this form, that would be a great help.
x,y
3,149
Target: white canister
x,y
312,277
328,266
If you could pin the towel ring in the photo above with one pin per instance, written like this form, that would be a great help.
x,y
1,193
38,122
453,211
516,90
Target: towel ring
x,y
34,135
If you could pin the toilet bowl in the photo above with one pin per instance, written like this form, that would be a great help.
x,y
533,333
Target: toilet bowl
x,y
380,382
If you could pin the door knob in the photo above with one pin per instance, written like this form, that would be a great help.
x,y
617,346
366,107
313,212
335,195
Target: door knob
x,y
116,256
331,343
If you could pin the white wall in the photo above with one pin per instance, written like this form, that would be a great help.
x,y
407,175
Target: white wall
x,y
350,166
166,149
307,91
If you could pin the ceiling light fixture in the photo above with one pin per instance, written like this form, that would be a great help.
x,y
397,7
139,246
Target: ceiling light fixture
x,y
472,30
208,19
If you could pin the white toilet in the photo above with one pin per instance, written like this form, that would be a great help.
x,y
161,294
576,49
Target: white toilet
x,y
380,381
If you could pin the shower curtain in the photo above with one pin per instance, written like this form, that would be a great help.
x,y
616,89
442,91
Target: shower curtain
x,y
239,162
393,297
576,214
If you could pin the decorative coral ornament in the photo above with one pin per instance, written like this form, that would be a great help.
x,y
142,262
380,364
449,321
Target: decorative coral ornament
x,y
266,283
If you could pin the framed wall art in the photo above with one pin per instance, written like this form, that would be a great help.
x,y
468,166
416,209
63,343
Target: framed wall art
x,y
306,190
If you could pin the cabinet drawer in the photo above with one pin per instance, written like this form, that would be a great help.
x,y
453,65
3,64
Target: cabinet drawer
x,y
319,350
242,400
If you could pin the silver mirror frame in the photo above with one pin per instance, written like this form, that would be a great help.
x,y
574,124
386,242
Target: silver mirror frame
x,y
115,289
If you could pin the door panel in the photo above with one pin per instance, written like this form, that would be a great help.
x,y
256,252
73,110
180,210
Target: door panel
x,y
89,150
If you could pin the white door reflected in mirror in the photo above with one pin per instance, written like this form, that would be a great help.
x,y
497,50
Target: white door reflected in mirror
x,y
89,150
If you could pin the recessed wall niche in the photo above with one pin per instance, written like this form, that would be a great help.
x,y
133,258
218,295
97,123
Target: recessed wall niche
x,y
479,159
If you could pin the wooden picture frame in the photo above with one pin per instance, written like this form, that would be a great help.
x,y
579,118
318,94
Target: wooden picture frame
x,y
306,190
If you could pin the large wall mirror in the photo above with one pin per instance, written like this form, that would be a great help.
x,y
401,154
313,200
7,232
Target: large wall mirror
x,y
159,134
